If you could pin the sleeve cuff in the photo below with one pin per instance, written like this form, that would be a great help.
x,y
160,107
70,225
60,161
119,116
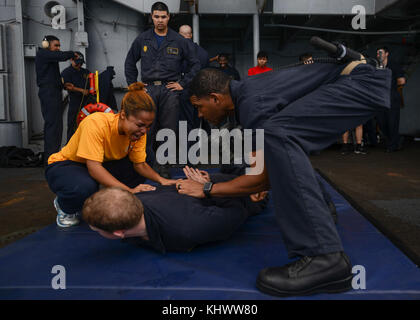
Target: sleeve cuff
x,y
183,84
89,157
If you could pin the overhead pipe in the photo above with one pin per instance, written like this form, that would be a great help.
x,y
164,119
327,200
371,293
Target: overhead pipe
x,y
21,73
81,26
195,21
256,35
260,5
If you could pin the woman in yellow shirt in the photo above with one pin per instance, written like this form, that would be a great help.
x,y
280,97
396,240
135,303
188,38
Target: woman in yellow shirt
x,y
106,149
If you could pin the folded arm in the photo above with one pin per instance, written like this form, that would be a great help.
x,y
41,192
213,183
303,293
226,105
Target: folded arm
x,y
71,87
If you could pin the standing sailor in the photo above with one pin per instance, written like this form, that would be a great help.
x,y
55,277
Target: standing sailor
x,y
50,91
75,79
300,109
162,52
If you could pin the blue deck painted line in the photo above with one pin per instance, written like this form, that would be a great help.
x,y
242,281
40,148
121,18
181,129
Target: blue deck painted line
x,y
97,268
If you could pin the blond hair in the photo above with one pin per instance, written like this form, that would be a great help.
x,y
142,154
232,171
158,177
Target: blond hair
x,y
112,209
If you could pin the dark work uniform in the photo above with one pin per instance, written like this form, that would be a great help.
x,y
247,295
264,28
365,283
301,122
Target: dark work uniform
x,y
302,109
232,72
181,222
106,88
389,120
187,111
202,56
50,93
79,79
162,63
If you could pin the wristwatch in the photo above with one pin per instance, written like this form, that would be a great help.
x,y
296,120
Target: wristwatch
x,y
207,188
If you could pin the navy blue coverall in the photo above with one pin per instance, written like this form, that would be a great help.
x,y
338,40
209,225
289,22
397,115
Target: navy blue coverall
x,y
389,121
164,64
187,111
106,88
231,72
79,79
181,222
302,109
50,94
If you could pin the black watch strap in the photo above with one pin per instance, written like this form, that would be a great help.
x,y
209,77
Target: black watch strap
x,y
207,188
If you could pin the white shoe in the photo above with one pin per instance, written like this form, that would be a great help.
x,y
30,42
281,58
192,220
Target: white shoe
x,y
65,220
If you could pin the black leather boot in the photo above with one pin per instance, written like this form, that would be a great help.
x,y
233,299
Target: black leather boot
x,y
329,273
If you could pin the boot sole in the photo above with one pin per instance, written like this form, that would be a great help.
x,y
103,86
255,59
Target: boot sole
x,y
330,287
64,225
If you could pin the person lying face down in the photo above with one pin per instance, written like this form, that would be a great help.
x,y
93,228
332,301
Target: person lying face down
x,y
165,220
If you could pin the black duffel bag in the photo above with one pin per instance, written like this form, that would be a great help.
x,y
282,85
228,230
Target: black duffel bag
x,y
14,157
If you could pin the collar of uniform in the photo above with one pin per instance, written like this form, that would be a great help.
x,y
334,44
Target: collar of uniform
x,y
234,87
170,35
81,70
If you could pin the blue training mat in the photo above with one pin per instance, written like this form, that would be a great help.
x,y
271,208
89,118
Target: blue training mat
x,y
97,268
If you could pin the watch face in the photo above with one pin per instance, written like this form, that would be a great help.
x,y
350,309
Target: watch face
x,y
207,187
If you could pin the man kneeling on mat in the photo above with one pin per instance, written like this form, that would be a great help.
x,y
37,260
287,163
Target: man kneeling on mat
x,y
165,220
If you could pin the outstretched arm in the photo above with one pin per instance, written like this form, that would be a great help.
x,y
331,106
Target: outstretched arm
x,y
59,55
243,185
146,171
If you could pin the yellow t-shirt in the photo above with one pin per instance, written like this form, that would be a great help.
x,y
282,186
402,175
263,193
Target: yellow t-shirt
x,y
97,139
